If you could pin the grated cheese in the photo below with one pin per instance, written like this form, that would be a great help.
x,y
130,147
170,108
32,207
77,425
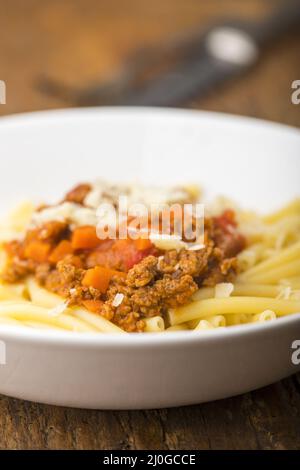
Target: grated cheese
x,y
167,242
195,247
66,212
102,192
58,309
118,300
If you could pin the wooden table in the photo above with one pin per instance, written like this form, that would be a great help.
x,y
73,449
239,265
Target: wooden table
x,y
81,41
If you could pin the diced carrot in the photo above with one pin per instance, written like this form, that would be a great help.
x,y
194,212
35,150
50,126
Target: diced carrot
x,y
119,274
12,248
85,238
93,305
37,251
99,278
142,244
63,249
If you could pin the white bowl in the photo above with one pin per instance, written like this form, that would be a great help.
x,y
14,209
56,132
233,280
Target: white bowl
x,y
255,162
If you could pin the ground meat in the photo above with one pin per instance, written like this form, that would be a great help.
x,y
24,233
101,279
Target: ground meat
x,y
232,245
175,290
78,194
42,272
142,273
170,291
167,264
63,278
17,269
223,272
194,263
157,284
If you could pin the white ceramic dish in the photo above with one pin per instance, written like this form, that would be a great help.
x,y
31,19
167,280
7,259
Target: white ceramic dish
x,y
255,162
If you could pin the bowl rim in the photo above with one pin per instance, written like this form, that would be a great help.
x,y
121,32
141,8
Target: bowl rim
x,y
68,338
42,116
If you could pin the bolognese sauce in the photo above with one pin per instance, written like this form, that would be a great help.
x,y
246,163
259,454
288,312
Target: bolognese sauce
x,y
124,280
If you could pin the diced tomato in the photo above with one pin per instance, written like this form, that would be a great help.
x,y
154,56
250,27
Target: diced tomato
x,y
37,251
104,255
133,258
228,238
226,219
121,254
122,245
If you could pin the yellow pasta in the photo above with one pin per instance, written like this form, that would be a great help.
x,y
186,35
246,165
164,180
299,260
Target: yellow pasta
x,y
27,311
96,321
180,327
217,321
13,226
293,282
292,208
154,324
267,315
47,299
10,321
247,305
12,291
20,216
39,325
204,325
285,256
40,296
251,256
273,276
256,290
238,319
248,290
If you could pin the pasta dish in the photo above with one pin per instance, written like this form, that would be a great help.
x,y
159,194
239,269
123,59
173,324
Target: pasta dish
x,y
58,272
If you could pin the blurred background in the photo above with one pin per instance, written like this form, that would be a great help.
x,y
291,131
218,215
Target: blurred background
x,y
63,53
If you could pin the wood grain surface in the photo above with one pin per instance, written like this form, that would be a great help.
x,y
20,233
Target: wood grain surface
x,y
82,41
